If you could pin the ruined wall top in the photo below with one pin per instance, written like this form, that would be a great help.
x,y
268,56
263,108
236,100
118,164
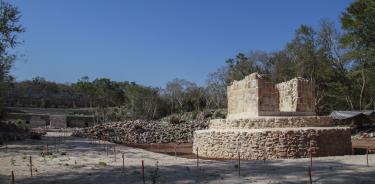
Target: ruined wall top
x,y
255,96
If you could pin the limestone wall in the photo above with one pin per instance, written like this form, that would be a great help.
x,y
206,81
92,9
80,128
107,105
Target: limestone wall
x,y
256,96
272,122
242,96
250,97
272,143
268,97
296,95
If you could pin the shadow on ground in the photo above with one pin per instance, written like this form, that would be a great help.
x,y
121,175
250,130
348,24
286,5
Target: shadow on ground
x,y
327,170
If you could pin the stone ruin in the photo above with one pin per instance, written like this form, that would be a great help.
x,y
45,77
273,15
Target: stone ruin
x,y
267,121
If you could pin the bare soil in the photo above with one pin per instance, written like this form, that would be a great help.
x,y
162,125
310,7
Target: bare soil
x,y
184,150
77,160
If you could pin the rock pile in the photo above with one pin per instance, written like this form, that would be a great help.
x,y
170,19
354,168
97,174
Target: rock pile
x,y
143,131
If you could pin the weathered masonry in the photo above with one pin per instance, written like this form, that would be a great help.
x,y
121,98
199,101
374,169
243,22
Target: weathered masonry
x,y
267,121
256,96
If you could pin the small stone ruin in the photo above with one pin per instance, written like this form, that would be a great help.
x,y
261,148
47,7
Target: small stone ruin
x,y
267,121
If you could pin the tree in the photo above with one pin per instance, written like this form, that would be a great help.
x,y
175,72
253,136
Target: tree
x,y
317,56
216,89
86,89
244,65
175,93
9,29
144,102
359,25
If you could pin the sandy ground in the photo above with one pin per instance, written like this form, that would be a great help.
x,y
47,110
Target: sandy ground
x,y
80,164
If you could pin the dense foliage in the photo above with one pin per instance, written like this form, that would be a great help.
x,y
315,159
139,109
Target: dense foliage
x,y
9,29
126,99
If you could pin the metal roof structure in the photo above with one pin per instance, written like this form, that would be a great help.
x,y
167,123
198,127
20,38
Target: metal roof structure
x,y
341,115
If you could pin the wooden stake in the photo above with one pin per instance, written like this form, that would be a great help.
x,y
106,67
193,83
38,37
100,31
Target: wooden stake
x,y
197,158
12,177
175,150
310,159
114,151
239,164
123,162
368,165
265,155
143,172
31,167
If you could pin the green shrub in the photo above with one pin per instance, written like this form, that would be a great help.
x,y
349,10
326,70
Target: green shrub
x,y
194,115
101,163
175,119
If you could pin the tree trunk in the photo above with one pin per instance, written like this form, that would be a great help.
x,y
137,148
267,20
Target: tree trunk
x,y
362,88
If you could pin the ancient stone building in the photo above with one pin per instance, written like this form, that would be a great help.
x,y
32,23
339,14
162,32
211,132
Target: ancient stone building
x,y
256,96
268,121
253,96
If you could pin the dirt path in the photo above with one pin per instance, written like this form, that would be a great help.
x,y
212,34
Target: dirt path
x,y
79,161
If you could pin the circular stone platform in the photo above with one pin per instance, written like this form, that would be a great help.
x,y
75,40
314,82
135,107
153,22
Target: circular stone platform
x,y
272,122
272,143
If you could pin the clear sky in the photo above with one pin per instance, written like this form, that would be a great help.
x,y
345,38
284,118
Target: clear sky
x,y
152,42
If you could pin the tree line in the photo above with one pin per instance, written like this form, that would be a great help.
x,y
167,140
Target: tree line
x,y
134,100
338,57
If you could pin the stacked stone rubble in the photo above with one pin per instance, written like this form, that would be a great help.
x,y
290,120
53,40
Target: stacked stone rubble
x,y
142,131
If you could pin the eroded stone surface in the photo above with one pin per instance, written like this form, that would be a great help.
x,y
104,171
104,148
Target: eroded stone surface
x,y
277,143
257,96
272,122
296,95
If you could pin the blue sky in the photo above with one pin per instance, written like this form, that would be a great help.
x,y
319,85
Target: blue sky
x,y
152,42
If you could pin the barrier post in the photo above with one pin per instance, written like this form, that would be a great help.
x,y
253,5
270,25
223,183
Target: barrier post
x,y
143,172
31,167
